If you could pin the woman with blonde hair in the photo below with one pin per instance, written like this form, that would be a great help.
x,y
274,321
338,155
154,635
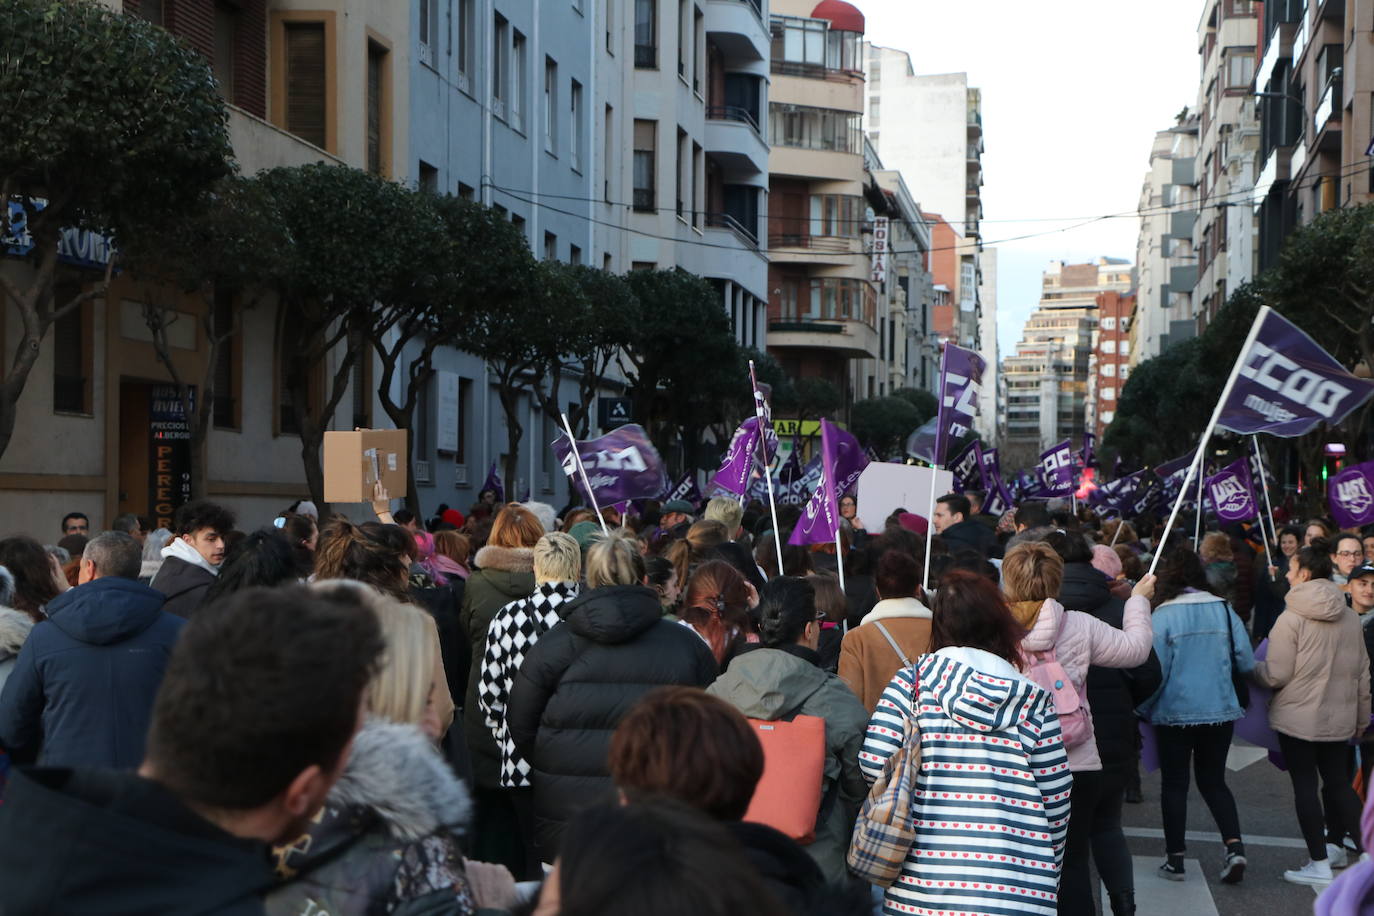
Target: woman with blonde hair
x,y
505,573
1032,575
612,647
390,831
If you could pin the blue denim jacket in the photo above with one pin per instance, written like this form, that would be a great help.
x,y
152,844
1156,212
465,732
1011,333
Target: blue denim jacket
x,y
1195,655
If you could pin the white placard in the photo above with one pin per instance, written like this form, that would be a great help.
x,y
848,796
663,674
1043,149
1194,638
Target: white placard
x,y
884,487
447,420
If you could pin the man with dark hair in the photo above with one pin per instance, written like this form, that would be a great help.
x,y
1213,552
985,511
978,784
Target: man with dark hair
x,y
955,526
406,519
1032,514
193,556
83,685
251,728
76,523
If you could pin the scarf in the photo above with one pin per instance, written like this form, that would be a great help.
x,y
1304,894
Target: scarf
x,y
1026,612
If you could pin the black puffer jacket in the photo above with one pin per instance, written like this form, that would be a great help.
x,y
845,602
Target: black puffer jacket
x,y
1113,693
579,681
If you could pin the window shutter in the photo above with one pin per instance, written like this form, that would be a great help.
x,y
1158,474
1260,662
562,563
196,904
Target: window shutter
x,y
305,81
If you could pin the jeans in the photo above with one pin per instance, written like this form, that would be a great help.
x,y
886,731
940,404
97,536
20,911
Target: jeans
x,y
1095,829
1328,759
1206,746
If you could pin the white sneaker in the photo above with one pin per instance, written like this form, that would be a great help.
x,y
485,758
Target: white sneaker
x,y
1313,874
1336,856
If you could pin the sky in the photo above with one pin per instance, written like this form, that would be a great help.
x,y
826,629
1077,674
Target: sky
x,y
1073,93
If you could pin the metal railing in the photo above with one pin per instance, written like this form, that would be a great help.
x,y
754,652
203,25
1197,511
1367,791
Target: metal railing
x,y
726,221
812,242
813,71
732,113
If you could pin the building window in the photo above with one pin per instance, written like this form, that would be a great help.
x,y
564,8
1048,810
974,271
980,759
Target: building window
x,y
574,255
645,150
699,56
646,34
684,162
827,299
518,69
550,106
500,63
684,39
463,42
575,124
465,408
1109,370
306,112
429,178
1109,346
802,45
72,352
151,10
1125,373
226,48
466,191
550,246
1109,324
1108,415
1109,394
836,215
697,203
1240,71
429,31
804,127
610,26
609,146
362,389
376,109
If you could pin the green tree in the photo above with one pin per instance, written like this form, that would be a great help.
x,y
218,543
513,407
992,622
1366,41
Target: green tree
x,y
817,398
924,402
109,124
216,253
883,424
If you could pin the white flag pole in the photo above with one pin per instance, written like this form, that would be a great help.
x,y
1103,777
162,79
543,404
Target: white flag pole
x,y
577,457
839,557
930,528
1194,465
767,475
1201,507
1269,509
1120,523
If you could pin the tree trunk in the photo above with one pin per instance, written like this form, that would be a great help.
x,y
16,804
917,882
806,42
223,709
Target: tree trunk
x,y
510,406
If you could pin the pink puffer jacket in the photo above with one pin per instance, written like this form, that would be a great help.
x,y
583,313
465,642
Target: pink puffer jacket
x,y
1088,641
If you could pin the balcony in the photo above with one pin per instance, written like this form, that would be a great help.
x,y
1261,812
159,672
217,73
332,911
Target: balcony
x,y
802,249
1326,120
738,28
734,138
734,226
1274,52
975,123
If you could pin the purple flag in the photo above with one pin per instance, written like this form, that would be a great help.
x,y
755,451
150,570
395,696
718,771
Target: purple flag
x,y
493,483
1288,384
842,461
623,464
1057,469
1089,457
968,468
921,443
1351,495
1233,492
961,374
998,499
686,488
736,470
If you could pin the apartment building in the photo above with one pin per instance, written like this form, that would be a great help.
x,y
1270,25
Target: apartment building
x,y
1315,88
900,248
1109,365
1228,145
1166,267
823,312
1047,378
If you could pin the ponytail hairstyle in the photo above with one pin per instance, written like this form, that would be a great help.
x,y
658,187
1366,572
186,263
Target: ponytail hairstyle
x,y
346,551
1316,558
716,604
786,605
702,538
298,530
614,560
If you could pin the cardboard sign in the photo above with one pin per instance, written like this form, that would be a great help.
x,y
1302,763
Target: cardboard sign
x,y
885,487
354,460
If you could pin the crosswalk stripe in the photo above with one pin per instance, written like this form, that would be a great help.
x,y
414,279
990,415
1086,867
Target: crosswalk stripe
x,y
1156,896
1198,836
1241,756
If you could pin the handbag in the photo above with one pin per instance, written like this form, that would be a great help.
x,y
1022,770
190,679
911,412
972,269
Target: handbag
x,y
788,796
1239,682
885,829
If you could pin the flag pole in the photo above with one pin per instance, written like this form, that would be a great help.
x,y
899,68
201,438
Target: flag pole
x,y
768,476
1269,509
577,457
1194,465
1120,523
930,527
1201,507
839,557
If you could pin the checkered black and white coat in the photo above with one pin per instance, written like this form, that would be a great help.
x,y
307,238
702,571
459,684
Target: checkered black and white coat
x,y
514,629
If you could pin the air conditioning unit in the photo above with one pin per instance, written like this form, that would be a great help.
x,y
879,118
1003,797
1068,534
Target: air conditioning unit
x,y
422,472
460,475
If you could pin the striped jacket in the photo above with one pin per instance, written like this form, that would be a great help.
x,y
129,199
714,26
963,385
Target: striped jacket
x,y
992,797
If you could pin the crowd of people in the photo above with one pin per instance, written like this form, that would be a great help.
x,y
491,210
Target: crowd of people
x,y
522,710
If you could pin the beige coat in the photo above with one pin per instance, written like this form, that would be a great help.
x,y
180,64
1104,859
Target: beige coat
x,y
867,661
1318,666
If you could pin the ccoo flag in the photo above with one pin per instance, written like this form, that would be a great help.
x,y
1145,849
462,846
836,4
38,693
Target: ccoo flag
x,y
1287,384
621,465
737,469
1057,471
961,374
842,461
1351,495
1233,492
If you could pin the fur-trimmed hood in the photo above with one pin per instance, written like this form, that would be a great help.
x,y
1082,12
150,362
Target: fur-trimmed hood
x,y
15,627
505,559
396,772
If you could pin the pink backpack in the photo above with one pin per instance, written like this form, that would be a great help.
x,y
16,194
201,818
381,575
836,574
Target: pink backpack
x,y
1074,722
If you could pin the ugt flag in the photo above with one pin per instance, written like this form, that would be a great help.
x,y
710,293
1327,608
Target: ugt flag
x,y
842,461
623,464
1351,495
1233,492
1057,469
961,374
743,456
1288,384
